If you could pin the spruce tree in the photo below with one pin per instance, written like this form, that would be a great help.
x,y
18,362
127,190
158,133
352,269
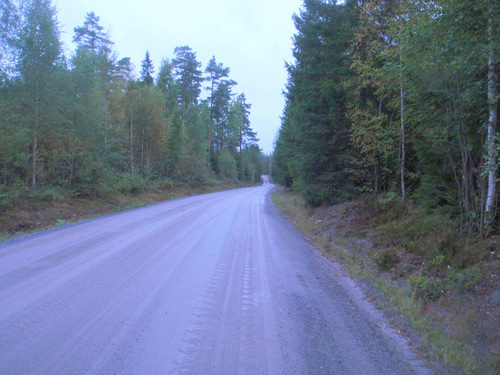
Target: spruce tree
x,y
315,148
147,70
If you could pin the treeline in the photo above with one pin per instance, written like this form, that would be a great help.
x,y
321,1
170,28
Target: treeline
x,y
397,97
84,124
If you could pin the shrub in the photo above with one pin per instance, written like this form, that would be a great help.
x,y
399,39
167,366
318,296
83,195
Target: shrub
x,y
213,182
464,280
130,183
4,200
47,194
391,206
227,167
387,259
427,287
386,201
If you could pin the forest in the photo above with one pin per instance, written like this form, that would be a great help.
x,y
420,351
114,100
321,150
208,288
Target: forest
x,y
83,124
396,99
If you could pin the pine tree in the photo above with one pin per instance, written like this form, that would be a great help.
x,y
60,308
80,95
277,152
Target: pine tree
x,y
93,42
189,76
220,112
217,76
124,69
239,120
92,35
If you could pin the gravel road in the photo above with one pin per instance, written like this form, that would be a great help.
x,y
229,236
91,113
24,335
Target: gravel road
x,y
212,284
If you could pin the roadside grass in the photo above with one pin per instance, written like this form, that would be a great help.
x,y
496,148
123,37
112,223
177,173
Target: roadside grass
x,y
418,263
49,209
295,209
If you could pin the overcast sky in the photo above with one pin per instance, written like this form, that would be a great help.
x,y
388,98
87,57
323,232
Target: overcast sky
x,y
251,37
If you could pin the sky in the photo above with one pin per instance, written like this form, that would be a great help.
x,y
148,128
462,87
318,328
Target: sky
x,y
251,37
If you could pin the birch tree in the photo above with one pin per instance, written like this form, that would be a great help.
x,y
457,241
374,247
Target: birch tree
x,y
39,48
491,140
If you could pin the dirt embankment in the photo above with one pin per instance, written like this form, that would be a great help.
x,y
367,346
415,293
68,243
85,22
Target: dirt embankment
x,y
30,215
432,282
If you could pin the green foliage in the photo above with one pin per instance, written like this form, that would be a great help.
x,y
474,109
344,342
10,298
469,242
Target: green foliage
x,y
387,259
192,168
62,222
449,328
147,70
38,42
130,184
227,167
397,73
92,36
432,287
311,152
252,165
447,87
168,86
427,287
463,280
48,194
88,128
431,234
388,202
187,69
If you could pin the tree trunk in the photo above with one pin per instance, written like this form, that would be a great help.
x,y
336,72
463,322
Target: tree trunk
x,y
403,145
210,123
131,135
142,149
491,158
71,174
210,126
35,138
35,155
240,156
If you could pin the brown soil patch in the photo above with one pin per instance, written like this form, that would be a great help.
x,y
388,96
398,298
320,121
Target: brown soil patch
x,y
469,314
33,216
463,312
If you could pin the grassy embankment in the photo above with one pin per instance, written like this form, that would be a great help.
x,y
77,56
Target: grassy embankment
x,y
30,212
430,280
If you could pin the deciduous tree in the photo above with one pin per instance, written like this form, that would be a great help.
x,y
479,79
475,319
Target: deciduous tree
x,y
39,49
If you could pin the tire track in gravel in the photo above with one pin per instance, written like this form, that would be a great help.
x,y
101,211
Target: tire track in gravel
x,y
219,315
74,293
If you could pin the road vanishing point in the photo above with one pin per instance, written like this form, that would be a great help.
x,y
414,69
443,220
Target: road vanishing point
x,y
215,284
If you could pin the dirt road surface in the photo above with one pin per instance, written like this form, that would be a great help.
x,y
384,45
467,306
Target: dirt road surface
x,y
213,284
